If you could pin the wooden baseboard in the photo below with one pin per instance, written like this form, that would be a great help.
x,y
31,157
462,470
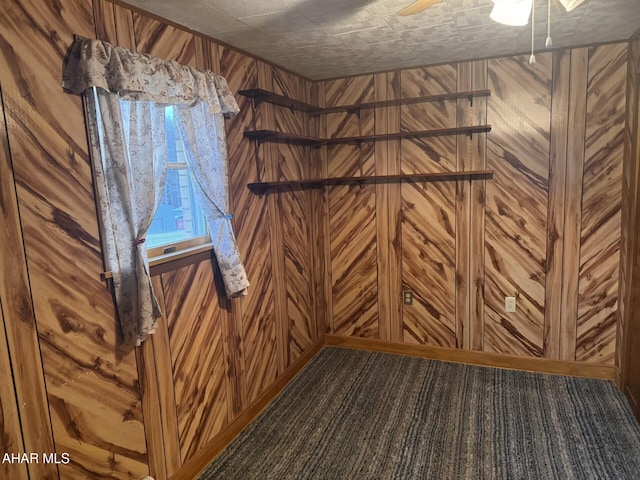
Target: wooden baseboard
x,y
192,467
532,364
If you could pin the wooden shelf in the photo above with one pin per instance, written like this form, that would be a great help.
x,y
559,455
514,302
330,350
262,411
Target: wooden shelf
x,y
259,95
408,101
264,187
441,132
272,136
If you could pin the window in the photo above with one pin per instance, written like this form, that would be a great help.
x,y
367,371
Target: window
x,y
179,222
126,99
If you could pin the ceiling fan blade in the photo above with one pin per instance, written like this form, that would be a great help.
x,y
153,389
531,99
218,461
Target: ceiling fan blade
x,y
417,7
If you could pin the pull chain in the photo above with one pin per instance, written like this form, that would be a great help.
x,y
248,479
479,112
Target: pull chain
x,y
548,43
532,58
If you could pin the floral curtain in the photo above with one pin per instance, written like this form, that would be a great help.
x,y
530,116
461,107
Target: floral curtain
x,y
126,126
129,137
204,139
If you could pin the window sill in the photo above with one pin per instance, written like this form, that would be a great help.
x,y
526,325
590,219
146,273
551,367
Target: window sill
x,y
174,260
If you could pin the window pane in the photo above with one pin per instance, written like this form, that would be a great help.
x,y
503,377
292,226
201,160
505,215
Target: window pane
x,y
179,216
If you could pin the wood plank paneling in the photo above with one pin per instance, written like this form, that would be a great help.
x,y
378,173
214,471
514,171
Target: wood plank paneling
x,y
105,22
92,386
464,157
557,194
166,391
573,203
163,41
518,150
124,27
429,211
294,212
629,328
269,154
252,223
25,393
395,205
381,153
10,429
352,213
195,336
152,413
601,204
478,193
319,218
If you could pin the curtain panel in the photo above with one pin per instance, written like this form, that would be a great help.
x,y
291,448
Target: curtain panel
x,y
126,95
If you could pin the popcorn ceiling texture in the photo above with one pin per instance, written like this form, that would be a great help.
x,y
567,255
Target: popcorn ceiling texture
x,y
332,38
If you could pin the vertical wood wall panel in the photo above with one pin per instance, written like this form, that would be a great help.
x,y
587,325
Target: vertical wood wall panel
x,y
429,211
352,214
90,384
105,21
19,336
464,158
518,151
195,336
319,217
629,329
265,118
294,213
394,166
573,203
381,150
478,193
10,430
601,204
125,31
166,399
151,411
557,194
163,41
252,222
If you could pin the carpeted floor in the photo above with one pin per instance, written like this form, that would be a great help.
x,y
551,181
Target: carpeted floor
x,y
359,415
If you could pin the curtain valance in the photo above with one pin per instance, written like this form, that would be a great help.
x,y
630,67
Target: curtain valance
x,y
137,76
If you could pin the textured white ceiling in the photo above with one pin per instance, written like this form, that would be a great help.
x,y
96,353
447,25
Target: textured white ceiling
x,y
331,38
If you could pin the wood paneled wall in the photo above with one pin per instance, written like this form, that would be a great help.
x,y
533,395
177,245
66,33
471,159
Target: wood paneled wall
x,y
628,360
77,390
123,414
545,229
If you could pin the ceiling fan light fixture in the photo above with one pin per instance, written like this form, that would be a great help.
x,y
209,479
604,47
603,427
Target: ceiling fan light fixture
x,y
514,13
570,4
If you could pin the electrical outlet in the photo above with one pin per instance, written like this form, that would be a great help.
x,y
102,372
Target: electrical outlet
x,y
407,297
509,304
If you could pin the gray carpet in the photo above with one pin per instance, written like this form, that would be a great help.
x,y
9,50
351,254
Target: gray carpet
x,y
360,415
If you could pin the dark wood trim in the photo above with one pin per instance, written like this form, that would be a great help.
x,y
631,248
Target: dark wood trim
x,y
486,359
